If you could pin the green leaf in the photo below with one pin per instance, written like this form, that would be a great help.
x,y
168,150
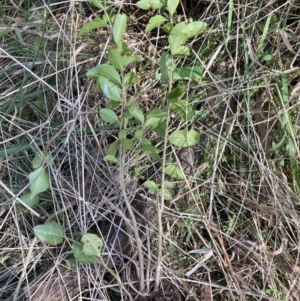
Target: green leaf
x,y
184,138
131,59
123,133
168,184
110,73
188,73
172,6
30,201
167,196
51,233
127,144
181,51
115,58
138,172
39,181
176,93
38,159
160,129
96,3
155,21
139,134
5,31
137,114
156,121
110,159
107,71
108,115
150,150
92,25
168,27
189,29
113,148
80,256
155,117
128,78
125,50
119,28
175,41
182,109
147,4
109,89
91,244
151,186
174,171
166,66
112,104
181,32
93,73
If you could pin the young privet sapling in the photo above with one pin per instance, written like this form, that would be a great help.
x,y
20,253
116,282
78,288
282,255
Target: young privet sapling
x,y
113,80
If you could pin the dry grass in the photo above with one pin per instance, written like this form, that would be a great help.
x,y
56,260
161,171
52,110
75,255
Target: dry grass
x,y
240,205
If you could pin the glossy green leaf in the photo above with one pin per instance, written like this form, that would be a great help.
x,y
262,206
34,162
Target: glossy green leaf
x,y
167,27
174,171
39,158
190,30
137,114
139,134
168,184
123,133
131,59
112,104
150,4
30,201
155,21
127,144
113,148
109,89
184,138
150,150
128,78
119,28
175,41
115,58
39,181
182,109
110,73
92,25
156,116
51,233
151,186
172,6
160,129
188,73
93,73
167,67
91,244
108,115
181,51
176,93
167,196
80,256
96,3
181,32
111,159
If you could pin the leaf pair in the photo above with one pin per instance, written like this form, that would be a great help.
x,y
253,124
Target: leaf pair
x,y
38,179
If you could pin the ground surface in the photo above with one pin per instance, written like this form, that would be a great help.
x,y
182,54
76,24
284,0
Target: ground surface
x,y
230,228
